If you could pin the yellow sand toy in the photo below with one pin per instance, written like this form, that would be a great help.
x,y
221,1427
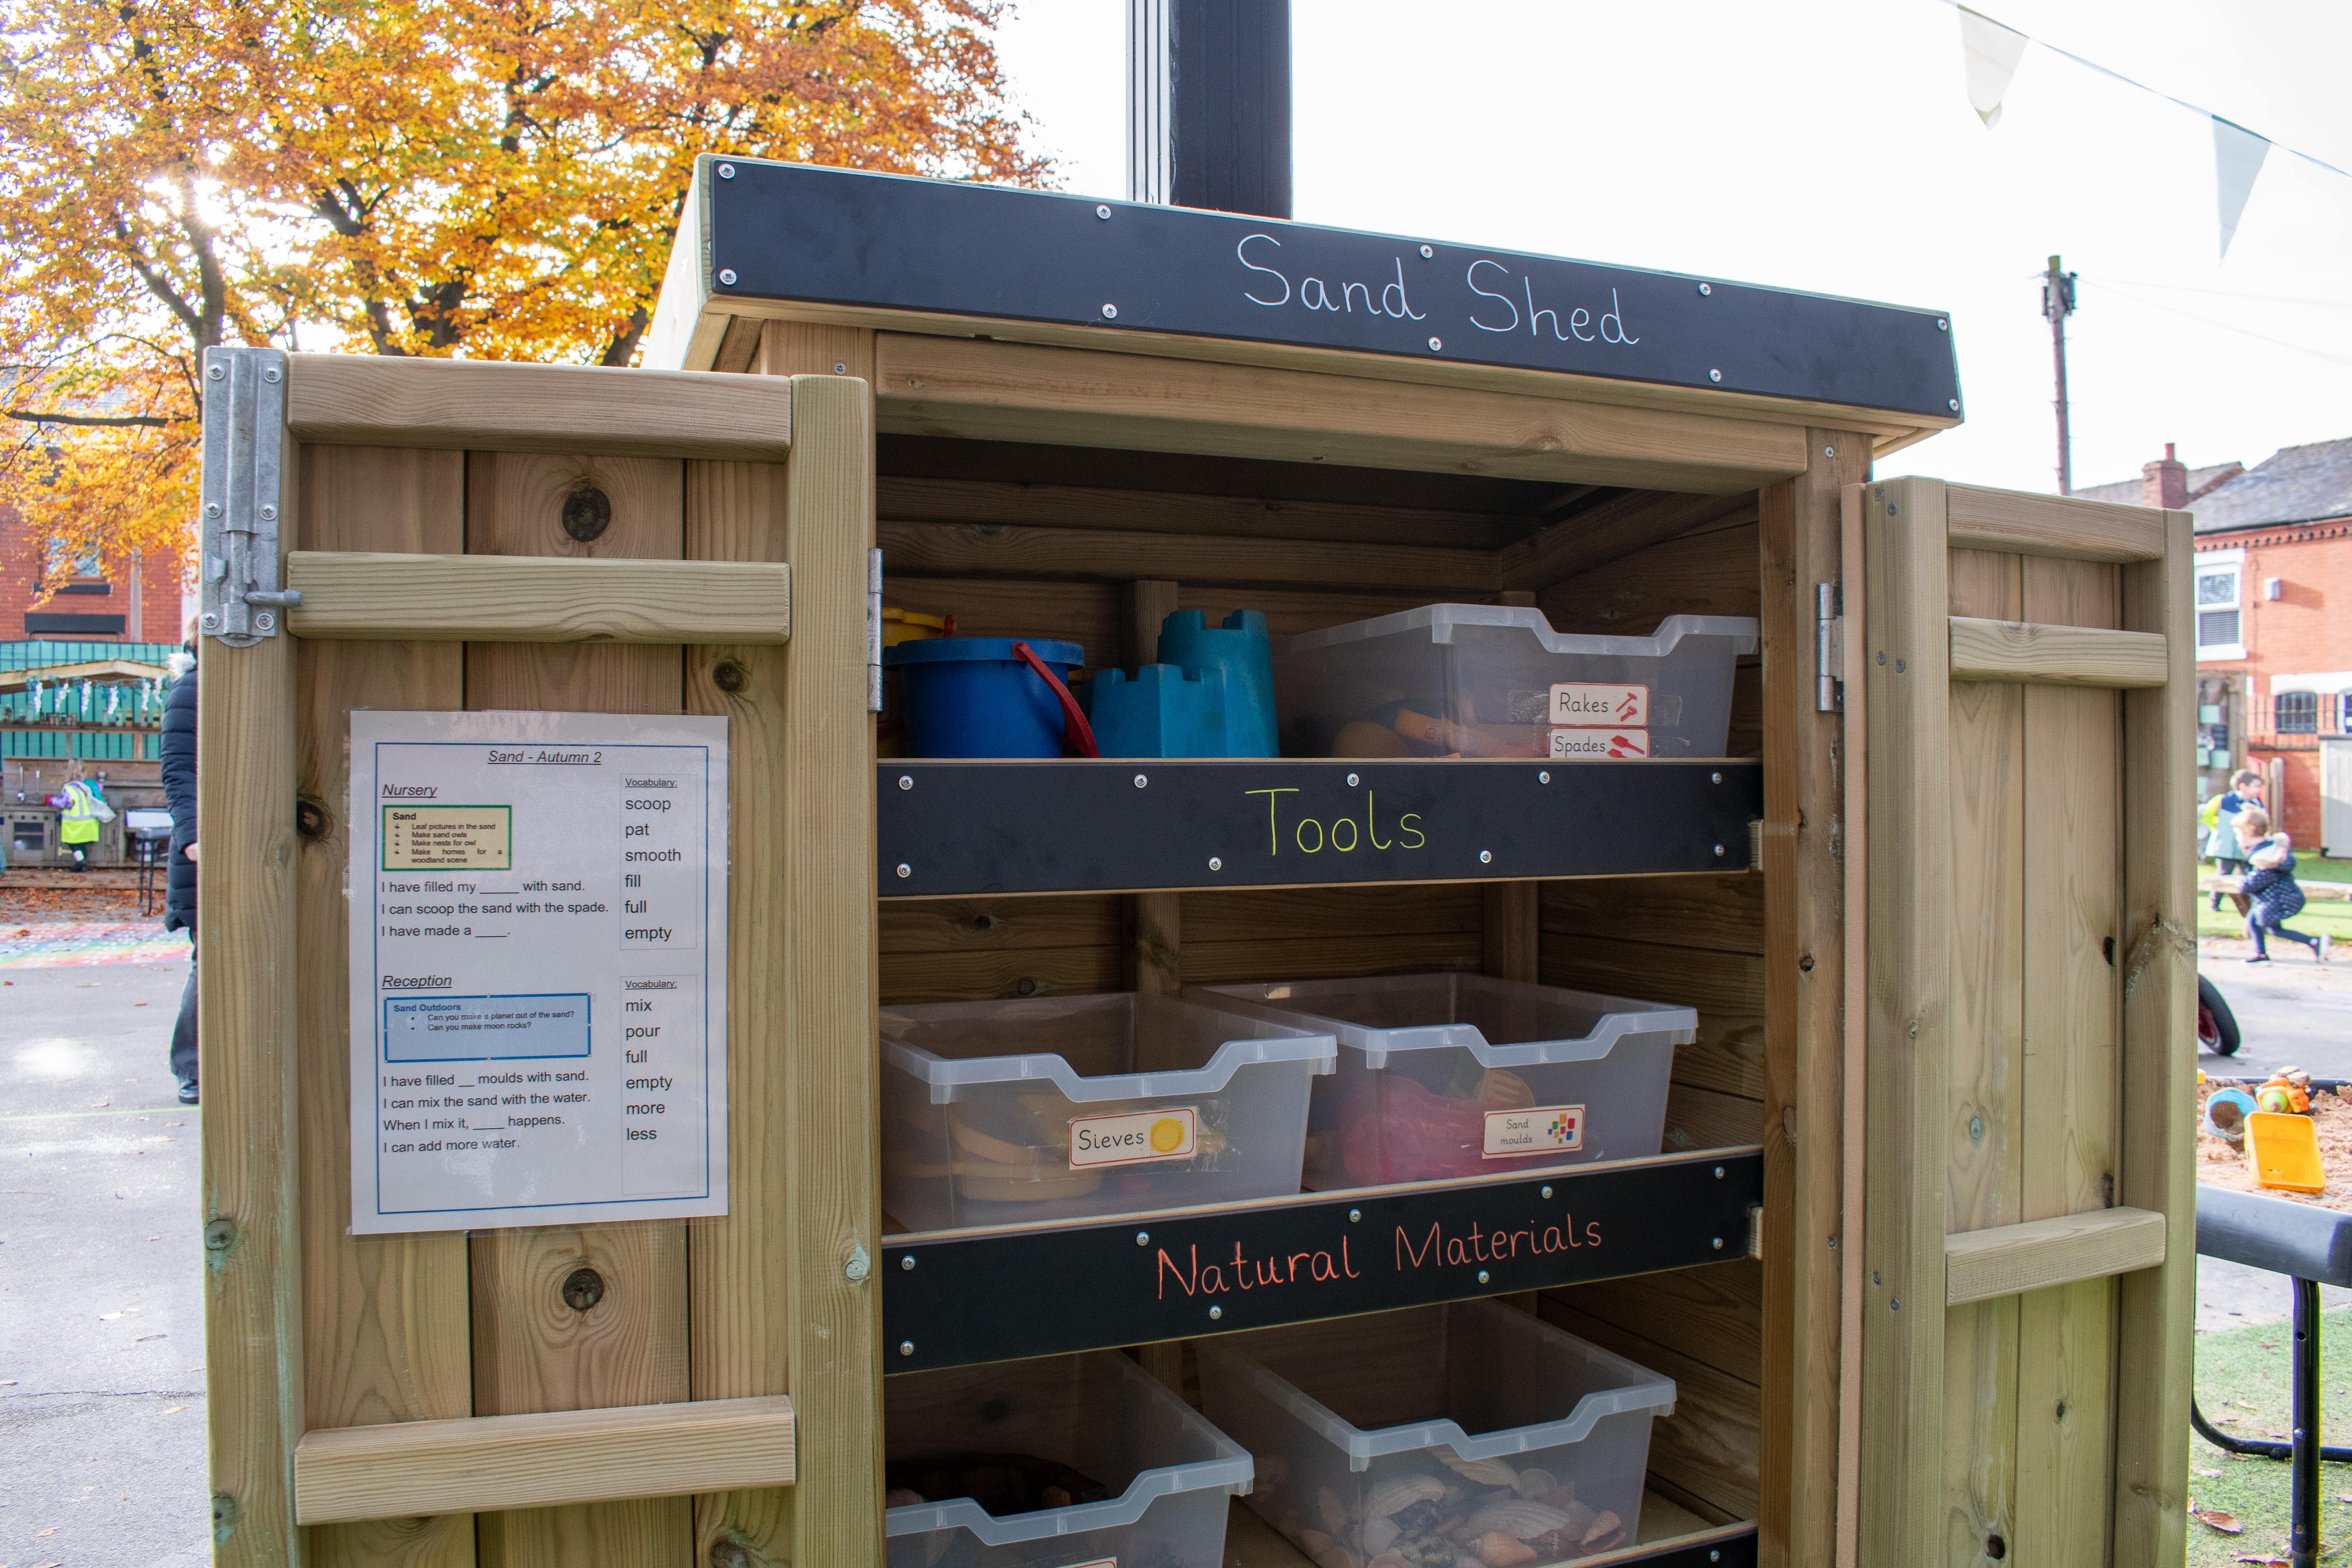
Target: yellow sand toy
x,y
2282,1152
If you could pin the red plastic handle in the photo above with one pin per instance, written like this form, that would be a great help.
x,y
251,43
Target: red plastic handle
x,y
1077,735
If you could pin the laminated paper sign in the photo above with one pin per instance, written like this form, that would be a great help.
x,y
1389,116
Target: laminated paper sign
x,y
539,969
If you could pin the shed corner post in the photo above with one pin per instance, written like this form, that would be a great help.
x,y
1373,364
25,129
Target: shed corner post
x,y
1804,958
2156,1307
246,1004
827,950
1906,674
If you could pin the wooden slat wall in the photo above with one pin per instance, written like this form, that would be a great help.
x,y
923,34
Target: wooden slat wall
x,y
1999,870
531,1351
2036,858
386,1326
1697,941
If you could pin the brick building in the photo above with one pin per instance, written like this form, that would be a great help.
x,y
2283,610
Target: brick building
x,y
137,603
2273,624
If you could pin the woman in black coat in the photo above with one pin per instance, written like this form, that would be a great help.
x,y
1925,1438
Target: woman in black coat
x,y
180,866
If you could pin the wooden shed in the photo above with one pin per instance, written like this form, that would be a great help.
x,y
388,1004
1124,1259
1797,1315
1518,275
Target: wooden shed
x,y
1915,1248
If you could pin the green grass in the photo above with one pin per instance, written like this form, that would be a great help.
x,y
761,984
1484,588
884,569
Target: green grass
x,y
2318,915
2245,1372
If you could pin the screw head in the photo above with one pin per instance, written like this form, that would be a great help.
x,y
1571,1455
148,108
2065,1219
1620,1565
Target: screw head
x,y
1706,288
1141,781
271,374
1953,404
211,622
907,1264
215,373
263,622
727,276
1718,1244
1216,864
1546,1192
1718,849
1893,1304
1486,856
726,171
1436,345
219,1234
1142,1238
1351,781
211,508
269,514
1714,376
1103,212
1111,312
1943,325
1216,1311
1427,252
841,367
1544,777
1829,451
905,870
1715,778
1719,1172
905,1347
582,1288
1354,1216
906,781
1482,1277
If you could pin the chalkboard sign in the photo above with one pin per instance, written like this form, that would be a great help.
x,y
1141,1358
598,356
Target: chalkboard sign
x,y
952,1301
788,231
955,827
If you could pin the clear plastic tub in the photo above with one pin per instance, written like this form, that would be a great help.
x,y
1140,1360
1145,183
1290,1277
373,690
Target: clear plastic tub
x,y
1446,1077
1074,1107
1429,1432
1494,681
1164,1473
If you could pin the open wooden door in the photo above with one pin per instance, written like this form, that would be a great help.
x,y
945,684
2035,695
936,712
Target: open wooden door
x,y
2021,703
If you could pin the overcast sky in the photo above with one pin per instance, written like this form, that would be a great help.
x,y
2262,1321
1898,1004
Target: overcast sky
x,y
1829,145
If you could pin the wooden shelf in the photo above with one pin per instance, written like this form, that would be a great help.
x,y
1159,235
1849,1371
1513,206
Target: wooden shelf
x,y
954,1298
948,829
1670,1536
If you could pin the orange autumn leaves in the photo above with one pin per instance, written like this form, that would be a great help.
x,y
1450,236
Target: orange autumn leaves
x,y
498,179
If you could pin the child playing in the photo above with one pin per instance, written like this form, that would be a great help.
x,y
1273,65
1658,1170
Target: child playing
x,y
2222,842
2275,895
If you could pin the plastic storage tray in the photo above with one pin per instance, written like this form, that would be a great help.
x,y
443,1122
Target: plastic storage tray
x,y
1494,681
1453,1076
1074,1107
1167,1472
1372,1433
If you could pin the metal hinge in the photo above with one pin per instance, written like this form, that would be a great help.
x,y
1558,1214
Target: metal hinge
x,y
874,631
1829,648
243,433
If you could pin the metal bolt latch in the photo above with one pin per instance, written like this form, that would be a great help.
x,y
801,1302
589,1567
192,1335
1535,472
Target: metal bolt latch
x,y
244,450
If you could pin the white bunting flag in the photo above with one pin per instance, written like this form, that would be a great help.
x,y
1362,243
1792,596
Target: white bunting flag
x,y
2238,156
1993,52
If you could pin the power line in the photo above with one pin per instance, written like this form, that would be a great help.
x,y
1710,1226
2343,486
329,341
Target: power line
x,y
2219,326
2228,294
2155,91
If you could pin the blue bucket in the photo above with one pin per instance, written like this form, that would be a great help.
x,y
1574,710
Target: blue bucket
x,y
968,697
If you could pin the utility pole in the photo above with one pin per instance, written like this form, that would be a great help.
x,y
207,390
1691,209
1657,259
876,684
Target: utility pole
x,y
2057,305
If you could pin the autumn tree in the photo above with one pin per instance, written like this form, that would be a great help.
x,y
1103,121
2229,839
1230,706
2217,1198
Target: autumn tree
x,y
498,179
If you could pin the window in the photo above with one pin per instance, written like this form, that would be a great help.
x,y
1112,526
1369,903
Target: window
x,y
2220,621
2296,712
